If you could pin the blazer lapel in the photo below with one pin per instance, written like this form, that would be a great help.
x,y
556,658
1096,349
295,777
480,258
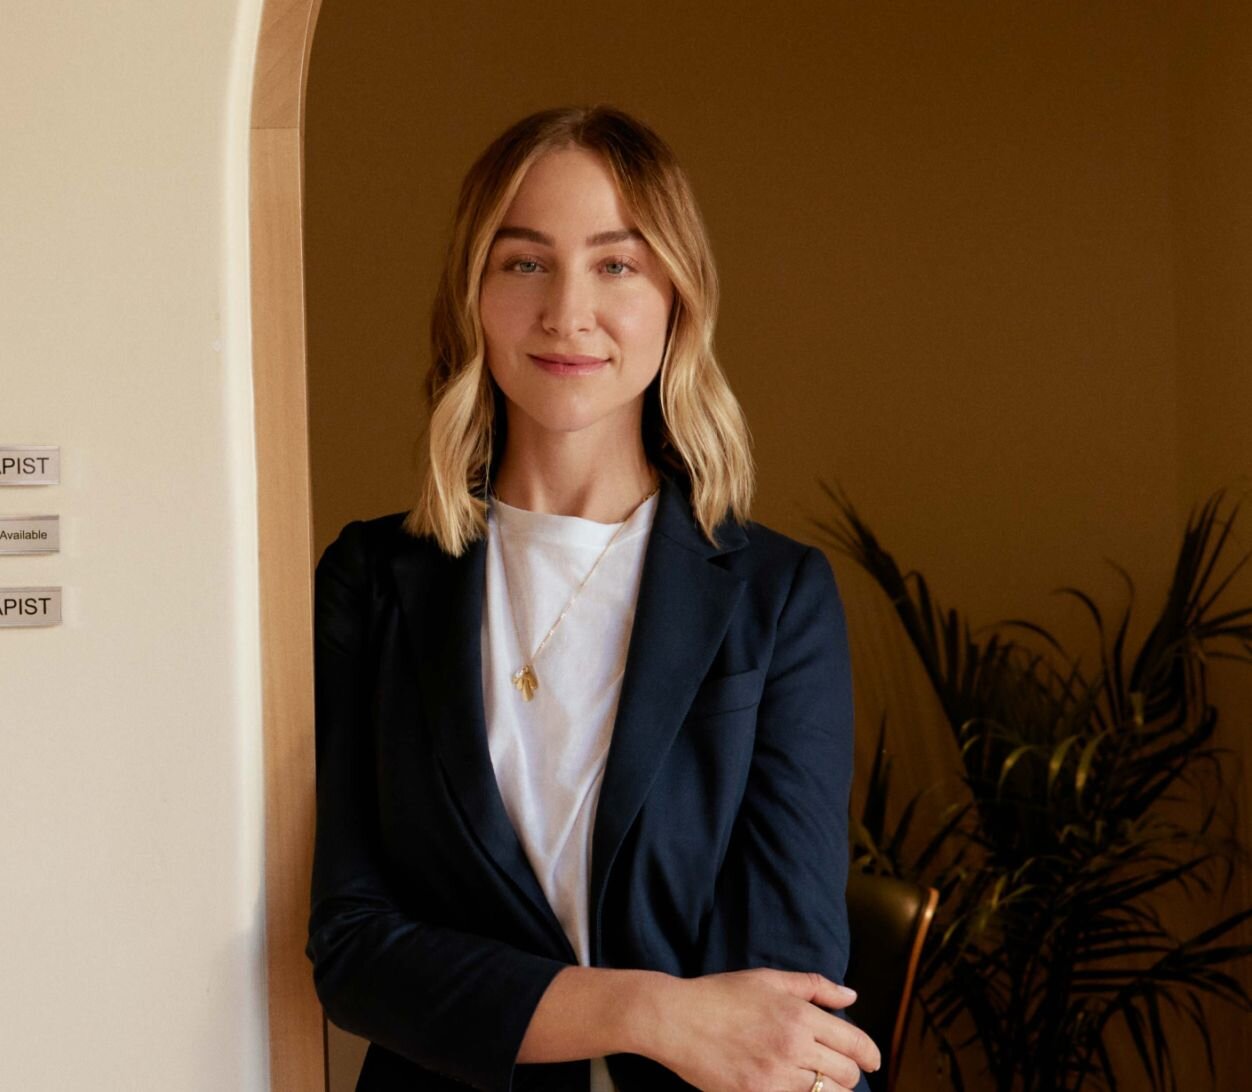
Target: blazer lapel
x,y
443,606
684,607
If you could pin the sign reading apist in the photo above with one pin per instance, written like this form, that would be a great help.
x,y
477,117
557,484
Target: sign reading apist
x,y
29,607
29,464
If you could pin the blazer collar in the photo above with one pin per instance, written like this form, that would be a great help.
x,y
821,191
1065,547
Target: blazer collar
x,y
677,522
684,607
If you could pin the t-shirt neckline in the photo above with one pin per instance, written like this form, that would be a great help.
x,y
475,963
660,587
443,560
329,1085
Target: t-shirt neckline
x,y
569,530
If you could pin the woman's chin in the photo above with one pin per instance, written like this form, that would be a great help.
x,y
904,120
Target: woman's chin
x,y
565,417
567,424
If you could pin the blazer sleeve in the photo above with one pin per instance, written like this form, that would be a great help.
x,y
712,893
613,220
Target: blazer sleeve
x,y
452,1002
780,896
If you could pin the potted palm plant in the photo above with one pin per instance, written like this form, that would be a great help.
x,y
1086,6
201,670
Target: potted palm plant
x,y
1090,796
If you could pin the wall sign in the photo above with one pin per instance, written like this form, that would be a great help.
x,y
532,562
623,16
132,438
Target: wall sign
x,y
30,534
30,464
30,607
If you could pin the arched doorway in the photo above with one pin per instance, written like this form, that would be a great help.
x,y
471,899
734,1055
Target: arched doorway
x,y
296,1024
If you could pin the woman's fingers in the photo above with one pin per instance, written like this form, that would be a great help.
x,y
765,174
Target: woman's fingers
x,y
813,987
808,1078
839,1070
845,1040
838,1038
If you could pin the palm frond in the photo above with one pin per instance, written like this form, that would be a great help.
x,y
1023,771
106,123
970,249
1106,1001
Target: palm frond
x,y
1052,872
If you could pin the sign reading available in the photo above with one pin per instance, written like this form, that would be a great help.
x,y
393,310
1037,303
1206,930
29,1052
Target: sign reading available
x,y
30,534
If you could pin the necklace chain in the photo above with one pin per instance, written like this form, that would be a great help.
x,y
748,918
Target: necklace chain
x,y
524,679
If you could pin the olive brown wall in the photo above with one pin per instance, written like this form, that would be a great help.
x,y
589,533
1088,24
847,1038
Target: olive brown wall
x,y
986,265
1211,68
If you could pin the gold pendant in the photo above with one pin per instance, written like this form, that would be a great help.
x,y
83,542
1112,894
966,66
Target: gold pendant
x,y
526,681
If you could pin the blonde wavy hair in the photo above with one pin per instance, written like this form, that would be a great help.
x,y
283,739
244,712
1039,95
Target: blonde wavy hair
x,y
692,423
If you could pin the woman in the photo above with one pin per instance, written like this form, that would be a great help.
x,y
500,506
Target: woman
x,y
583,731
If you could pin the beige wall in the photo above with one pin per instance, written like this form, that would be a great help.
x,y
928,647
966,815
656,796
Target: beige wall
x,y
986,265
130,794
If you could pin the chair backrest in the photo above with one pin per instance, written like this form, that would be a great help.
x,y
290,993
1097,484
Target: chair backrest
x,y
888,920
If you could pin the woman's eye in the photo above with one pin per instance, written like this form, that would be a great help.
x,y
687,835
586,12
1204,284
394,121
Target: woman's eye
x,y
615,267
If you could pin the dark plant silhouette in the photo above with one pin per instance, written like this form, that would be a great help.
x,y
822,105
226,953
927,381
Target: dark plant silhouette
x,y
1089,795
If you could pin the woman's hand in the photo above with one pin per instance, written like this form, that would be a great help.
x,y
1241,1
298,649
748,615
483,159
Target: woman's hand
x,y
757,1031
742,1031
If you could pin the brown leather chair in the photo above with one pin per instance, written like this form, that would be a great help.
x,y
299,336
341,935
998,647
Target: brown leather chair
x,y
887,920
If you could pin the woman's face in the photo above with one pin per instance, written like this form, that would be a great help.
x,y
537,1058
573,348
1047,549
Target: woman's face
x,y
574,302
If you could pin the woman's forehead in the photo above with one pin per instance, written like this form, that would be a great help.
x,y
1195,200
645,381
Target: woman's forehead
x,y
568,190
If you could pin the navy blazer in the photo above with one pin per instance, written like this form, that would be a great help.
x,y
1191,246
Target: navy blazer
x,y
720,838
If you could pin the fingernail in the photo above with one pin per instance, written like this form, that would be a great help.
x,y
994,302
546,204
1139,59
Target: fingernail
x,y
849,989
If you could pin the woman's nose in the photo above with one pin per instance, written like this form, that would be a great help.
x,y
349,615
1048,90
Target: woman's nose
x,y
568,305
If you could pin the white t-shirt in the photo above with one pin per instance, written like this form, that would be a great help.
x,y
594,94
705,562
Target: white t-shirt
x,y
549,753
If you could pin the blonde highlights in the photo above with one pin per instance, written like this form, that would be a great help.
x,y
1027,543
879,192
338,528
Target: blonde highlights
x,y
692,423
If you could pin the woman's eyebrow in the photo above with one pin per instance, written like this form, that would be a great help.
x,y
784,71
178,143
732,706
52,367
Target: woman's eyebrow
x,y
619,235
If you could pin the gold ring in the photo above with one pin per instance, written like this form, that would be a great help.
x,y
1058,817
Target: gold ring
x,y
819,1082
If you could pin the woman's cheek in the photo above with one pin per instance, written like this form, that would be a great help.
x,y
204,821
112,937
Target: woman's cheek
x,y
643,318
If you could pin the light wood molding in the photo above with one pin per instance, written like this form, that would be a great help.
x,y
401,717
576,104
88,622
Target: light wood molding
x,y
296,1025
282,63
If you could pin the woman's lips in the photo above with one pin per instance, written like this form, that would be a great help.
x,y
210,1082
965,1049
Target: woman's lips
x,y
555,364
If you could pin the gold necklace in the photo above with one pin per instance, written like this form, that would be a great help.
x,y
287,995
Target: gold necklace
x,y
525,679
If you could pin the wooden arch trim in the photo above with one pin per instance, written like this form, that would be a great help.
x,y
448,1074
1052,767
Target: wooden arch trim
x,y
284,526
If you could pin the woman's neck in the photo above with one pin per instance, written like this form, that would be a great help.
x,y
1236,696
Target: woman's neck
x,y
570,474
